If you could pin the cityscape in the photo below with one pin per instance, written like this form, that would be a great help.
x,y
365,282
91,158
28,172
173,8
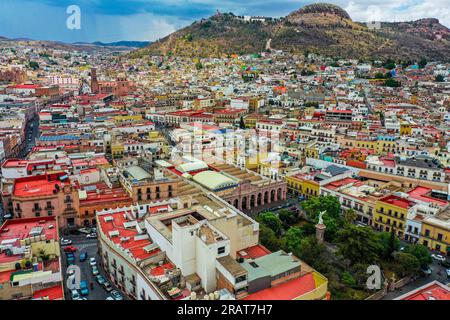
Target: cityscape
x,y
236,157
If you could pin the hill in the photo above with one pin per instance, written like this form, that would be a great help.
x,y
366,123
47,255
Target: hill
x,y
320,28
129,44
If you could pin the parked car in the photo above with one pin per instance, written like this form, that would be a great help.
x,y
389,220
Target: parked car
x,y
438,257
116,295
70,249
107,286
447,271
445,263
92,262
85,230
65,242
91,236
70,259
95,271
75,295
101,281
109,298
84,288
83,256
70,272
427,271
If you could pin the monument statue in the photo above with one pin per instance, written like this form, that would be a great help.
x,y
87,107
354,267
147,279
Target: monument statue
x,y
321,217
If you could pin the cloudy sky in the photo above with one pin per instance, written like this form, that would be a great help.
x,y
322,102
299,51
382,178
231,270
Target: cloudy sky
x,y
114,20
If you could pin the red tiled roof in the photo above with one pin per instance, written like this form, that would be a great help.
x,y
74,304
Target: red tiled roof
x,y
286,291
431,292
36,186
52,293
398,201
18,229
421,193
135,247
254,252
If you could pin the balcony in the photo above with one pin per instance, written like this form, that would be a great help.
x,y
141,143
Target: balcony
x,y
36,209
70,211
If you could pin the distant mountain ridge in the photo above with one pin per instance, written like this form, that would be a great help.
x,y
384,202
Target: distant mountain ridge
x,y
121,46
130,44
318,28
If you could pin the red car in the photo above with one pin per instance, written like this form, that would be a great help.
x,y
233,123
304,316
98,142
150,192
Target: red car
x,y
70,249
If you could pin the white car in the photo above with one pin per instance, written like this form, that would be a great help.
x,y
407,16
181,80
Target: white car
x,y
65,242
438,257
70,272
447,271
92,236
75,295
92,262
109,298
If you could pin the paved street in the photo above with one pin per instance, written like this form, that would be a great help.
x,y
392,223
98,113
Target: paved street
x,y
31,134
89,246
438,274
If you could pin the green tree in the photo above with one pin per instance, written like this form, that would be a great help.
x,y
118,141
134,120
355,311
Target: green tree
x,y
288,218
350,216
348,279
439,78
423,63
408,264
358,244
314,206
421,253
332,218
199,66
333,226
33,65
270,220
268,238
311,252
43,255
389,244
242,123
389,64
392,83
292,239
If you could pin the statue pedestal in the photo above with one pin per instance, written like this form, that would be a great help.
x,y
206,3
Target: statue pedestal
x,y
320,232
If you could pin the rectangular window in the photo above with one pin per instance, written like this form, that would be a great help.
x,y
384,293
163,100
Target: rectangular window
x,y
221,250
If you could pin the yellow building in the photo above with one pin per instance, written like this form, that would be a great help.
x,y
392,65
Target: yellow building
x,y
131,118
391,213
312,151
386,146
405,128
117,150
302,184
436,232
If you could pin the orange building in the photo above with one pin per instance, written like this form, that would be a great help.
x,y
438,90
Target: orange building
x,y
47,195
